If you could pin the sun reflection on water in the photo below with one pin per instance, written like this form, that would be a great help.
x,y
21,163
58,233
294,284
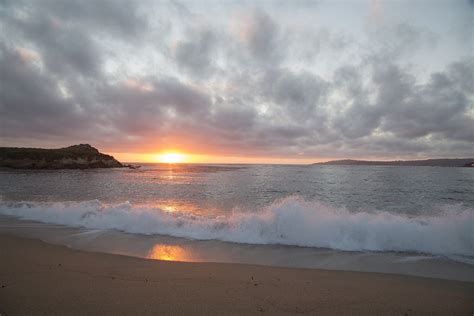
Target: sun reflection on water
x,y
172,206
170,253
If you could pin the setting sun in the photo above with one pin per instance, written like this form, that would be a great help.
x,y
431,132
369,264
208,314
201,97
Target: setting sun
x,y
171,158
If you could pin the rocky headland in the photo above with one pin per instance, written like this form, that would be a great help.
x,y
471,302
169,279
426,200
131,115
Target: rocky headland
x,y
82,156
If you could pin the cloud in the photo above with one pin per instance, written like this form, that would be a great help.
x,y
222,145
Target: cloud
x,y
261,36
147,106
31,102
195,54
412,111
234,80
298,95
68,34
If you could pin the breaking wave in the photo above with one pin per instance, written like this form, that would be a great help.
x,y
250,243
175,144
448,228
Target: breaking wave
x,y
290,221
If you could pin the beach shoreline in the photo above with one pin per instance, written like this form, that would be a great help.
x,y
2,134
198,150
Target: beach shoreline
x,y
41,278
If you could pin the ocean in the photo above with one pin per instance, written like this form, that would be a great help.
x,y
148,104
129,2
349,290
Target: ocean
x,y
408,220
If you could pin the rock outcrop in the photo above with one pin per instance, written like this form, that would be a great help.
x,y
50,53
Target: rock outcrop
x,y
82,156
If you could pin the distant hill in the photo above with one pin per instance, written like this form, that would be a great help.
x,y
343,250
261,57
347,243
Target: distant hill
x,y
456,162
82,156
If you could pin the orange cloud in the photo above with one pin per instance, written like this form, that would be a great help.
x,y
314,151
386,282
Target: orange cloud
x,y
27,55
138,85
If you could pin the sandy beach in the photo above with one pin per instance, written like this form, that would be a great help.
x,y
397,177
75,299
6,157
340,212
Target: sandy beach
x,y
40,278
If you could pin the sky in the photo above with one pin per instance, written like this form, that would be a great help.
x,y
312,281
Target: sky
x,y
240,81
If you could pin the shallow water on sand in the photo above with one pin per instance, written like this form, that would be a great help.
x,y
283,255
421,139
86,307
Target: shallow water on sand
x,y
179,249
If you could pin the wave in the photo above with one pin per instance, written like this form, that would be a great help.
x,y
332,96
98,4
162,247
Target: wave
x,y
290,221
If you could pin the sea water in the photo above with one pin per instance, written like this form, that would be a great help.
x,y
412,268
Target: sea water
x,y
367,218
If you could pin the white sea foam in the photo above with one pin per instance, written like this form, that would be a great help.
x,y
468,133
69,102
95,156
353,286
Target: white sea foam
x,y
291,221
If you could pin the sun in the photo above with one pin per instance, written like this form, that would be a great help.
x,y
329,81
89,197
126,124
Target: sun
x,y
170,158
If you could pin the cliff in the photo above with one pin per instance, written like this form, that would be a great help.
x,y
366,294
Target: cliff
x,y
82,156
455,162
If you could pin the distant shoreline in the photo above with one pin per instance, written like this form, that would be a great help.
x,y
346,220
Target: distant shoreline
x,y
447,162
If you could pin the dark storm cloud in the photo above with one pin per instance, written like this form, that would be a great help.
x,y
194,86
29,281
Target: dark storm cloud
x,y
412,111
299,95
235,117
405,108
195,53
262,37
386,146
67,33
100,72
64,49
361,117
30,100
138,106
51,65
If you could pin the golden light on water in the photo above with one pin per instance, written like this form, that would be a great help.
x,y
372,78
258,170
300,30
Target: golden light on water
x,y
171,157
169,253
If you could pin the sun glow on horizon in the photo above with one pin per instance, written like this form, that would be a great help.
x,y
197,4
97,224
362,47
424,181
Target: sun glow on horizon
x,y
171,157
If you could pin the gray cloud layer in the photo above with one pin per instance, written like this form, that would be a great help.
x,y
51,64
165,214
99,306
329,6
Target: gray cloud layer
x,y
126,76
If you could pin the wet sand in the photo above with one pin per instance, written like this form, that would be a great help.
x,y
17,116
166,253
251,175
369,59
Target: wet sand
x,y
40,278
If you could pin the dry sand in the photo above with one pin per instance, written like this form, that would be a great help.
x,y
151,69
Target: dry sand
x,y
39,278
